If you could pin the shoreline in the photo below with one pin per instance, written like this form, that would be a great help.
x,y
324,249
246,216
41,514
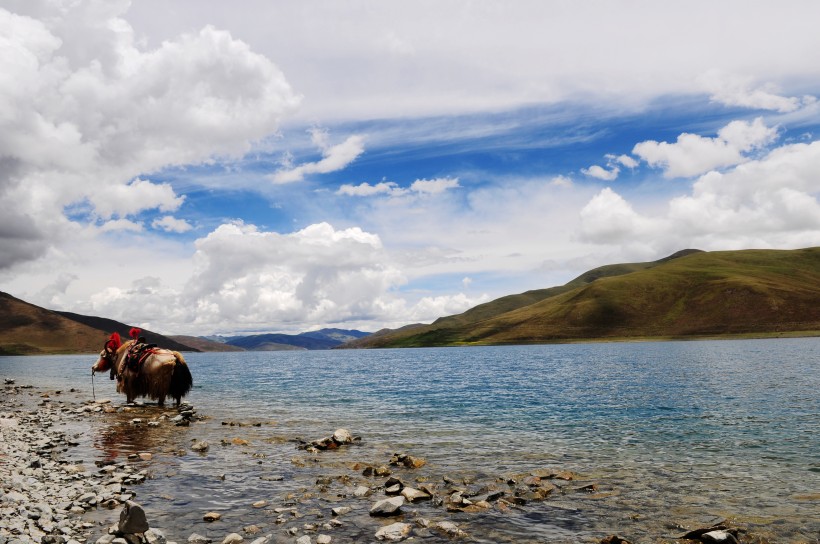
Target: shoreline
x,y
774,335
65,501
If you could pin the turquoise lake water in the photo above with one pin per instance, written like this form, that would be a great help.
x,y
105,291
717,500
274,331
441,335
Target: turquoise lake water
x,y
673,433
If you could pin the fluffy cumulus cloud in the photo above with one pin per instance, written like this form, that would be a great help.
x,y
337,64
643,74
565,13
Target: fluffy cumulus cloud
x,y
766,202
334,157
608,219
692,155
247,279
86,114
316,275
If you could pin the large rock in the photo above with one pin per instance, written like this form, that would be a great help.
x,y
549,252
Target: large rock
x,y
394,532
387,507
132,519
342,436
413,495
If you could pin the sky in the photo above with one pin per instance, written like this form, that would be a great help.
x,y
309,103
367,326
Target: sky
x,y
207,167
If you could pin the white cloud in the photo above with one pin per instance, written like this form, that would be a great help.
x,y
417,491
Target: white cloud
x,y
608,219
434,186
120,225
768,198
254,278
733,90
137,196
85,110
419,187
767,202
497,58
562,181
623,160
171,224
431,308
599,172
334,158
366,189
692,154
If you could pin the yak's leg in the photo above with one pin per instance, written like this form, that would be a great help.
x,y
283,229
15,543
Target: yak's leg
x,y
161,401
178,401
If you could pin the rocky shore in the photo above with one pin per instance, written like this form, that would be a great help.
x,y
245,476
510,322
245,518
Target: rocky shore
x,y
50,497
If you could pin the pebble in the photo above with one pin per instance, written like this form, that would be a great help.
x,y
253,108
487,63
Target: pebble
x,y
233,538
42,499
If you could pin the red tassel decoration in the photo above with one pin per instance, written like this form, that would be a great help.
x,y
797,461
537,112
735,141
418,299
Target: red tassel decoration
x,y
134,333
114,341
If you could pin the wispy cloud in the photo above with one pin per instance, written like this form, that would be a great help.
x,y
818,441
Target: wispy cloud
x,y
169,223
334,158
390,188
734,90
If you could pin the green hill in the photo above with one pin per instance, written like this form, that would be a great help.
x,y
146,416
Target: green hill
x,y
689,294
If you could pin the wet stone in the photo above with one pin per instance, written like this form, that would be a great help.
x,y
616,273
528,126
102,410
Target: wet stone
x,y
233,538
387,507
394,532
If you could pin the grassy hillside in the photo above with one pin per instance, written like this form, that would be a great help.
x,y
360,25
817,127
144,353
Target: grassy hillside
x,y
693,294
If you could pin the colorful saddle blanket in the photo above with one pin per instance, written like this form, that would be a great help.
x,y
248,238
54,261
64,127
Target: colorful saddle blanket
x,y
137,355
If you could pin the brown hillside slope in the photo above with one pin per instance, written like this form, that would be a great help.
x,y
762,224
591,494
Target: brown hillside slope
x,y
26,329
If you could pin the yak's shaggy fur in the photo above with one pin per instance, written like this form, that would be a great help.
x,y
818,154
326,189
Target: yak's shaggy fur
x,y
163,373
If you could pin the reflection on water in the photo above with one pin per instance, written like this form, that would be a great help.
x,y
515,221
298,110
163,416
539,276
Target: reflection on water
x,y
129,431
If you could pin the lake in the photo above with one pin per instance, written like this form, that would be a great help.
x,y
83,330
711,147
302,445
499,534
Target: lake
x,y
673,435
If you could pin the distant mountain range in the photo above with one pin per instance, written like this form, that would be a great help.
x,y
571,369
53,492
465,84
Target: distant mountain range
x,y
690,294
321,339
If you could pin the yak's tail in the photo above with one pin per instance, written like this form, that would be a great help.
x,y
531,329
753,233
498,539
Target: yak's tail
x,y
181,380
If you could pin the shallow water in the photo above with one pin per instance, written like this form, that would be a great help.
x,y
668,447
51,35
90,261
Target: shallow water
x,y
674,434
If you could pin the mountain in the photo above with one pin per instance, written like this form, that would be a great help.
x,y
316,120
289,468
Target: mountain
x,y
109,326
26,329
314,340
688,294
201,343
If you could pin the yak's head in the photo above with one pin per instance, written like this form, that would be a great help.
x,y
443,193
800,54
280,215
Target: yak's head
x,y
108,354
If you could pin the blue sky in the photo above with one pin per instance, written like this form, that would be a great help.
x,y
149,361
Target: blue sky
x,y
200,167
